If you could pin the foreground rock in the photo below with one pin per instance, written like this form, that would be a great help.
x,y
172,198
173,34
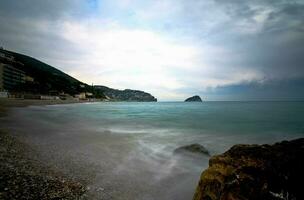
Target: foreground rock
x,y
193,148
194,99
23,176
255,172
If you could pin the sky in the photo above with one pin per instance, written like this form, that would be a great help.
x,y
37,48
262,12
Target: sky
x,y
173,49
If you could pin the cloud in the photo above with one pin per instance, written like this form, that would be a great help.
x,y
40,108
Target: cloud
x,y
169,48
127,57
37,9
124,58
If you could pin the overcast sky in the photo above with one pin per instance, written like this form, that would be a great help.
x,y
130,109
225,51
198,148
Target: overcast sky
x,y
219,49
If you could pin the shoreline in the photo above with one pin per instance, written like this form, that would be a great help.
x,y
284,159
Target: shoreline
x,y
6,103
22,172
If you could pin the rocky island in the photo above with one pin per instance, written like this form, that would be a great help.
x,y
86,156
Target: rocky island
x,y
254,172
195,98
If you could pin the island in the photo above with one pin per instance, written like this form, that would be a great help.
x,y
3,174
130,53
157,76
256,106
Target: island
x,y
195,98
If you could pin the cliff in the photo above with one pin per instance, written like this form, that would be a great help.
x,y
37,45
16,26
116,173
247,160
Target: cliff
x,y
255,172
195,98
125,95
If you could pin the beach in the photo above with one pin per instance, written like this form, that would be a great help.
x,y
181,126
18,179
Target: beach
x,y
23,174
6,103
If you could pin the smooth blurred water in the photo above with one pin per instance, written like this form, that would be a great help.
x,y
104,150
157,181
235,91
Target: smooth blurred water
x,y
128,146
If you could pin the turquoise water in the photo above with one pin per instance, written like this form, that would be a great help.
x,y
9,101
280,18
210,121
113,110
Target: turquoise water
x,y
130,143
223,117
250,122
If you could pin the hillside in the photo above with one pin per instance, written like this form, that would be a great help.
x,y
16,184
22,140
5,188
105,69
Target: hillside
x,y
48,80
46,77
125,95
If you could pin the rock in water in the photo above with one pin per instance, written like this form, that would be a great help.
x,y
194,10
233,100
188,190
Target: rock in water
x,y
193,148
195,98
255,172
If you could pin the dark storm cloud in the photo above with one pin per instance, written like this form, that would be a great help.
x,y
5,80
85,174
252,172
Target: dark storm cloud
x,y
284,90
280,43
276,46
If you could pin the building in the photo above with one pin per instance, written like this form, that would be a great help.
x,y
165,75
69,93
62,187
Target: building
x,y
29,79
65,96
3,94
6,57
89,95
10,77
81,96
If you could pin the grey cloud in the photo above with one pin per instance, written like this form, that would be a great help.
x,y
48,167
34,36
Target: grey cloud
x,y
32,27
272,90
289,17
28,38
43,9
276,48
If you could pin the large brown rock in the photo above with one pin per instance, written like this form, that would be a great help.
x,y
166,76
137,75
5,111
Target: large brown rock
x,y
255,172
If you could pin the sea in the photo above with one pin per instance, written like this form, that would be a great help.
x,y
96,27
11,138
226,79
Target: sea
x,y
125,150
